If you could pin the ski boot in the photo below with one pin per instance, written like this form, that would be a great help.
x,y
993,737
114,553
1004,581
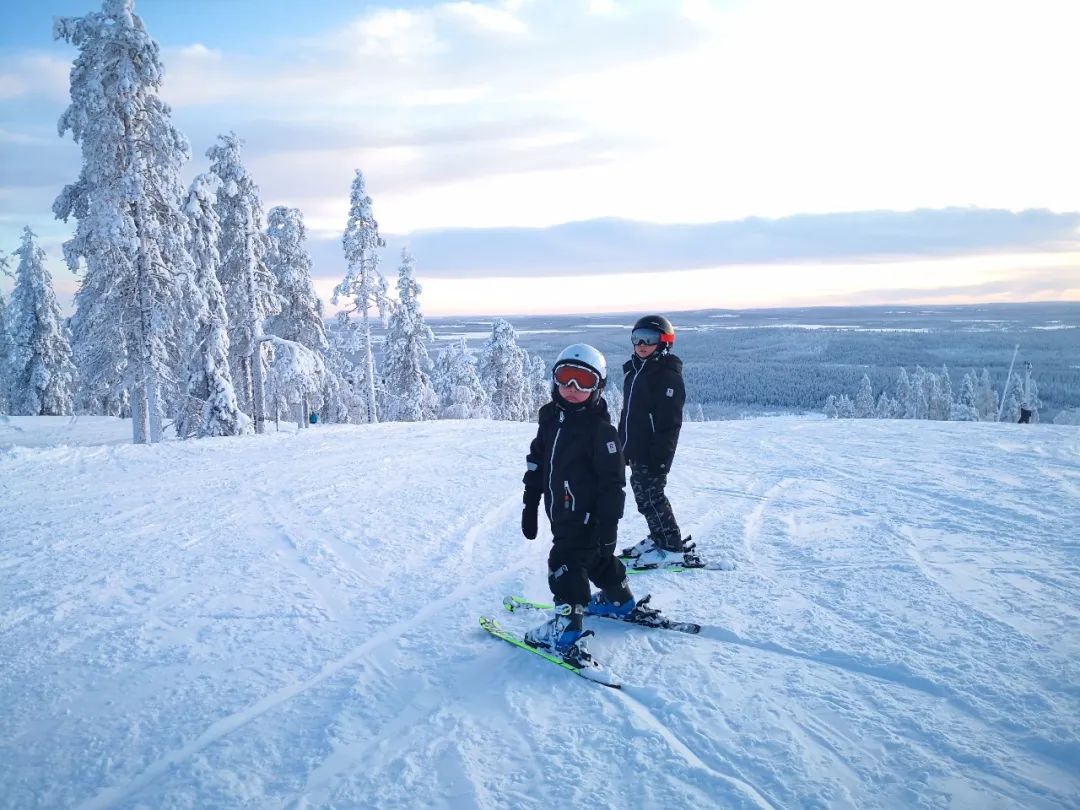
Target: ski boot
x,y
560,636
600,605
685,555
639,548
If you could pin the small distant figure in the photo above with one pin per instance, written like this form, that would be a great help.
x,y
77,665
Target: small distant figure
x,y
313,418
1025,415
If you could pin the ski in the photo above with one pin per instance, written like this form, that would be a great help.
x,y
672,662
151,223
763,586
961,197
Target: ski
x,y
642,615
593,672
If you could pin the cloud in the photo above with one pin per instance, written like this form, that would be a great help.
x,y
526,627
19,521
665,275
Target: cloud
x,y
620,246
34,73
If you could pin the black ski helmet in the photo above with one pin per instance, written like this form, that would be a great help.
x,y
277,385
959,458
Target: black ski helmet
x,y
659,324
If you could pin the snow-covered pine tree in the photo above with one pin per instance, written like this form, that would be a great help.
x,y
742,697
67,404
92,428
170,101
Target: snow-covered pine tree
x,y
905,399
337,399
937,405
363,285
461,396
210,407
127,329
965,409
886,407
614,396
502,373
845,408
294,374
42,372
409,394
6,371
864,400
946,392
248,286
830,409
538,381
987,401
920,394
301,316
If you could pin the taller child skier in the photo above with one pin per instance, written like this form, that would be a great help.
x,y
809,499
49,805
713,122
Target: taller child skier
x,y
653,399
575,464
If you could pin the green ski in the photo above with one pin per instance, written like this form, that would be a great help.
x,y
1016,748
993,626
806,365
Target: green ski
x,y
595,673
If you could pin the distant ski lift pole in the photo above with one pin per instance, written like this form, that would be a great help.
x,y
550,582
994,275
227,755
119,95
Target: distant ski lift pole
x,y
1008,379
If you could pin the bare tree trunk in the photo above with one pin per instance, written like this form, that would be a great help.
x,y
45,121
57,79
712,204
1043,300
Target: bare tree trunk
x,y
303,406
258,401
139,415
369,360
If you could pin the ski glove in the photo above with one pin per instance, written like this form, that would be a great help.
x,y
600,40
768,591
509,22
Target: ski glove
x,y
528,517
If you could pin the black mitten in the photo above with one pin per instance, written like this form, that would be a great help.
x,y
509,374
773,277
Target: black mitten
x,y
528,521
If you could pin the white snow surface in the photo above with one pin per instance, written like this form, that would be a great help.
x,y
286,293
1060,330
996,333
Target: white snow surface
x,y
235,622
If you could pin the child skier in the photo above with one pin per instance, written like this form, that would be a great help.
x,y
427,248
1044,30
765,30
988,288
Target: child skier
x,y
576,466
653,399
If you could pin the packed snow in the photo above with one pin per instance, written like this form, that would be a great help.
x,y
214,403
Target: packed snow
x,y
290,621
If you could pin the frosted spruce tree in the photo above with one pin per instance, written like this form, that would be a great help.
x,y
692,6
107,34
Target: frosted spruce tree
x,y
864,399
461,396
301,316
42,374
409,394
1013,396
986,402
131,234
538,383
965,408
6,372
210,407
245,280
363,285
905,400
502,373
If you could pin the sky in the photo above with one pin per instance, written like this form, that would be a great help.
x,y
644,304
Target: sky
x,y
594,155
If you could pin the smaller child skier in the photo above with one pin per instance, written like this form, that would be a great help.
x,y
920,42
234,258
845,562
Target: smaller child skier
x,y
575,464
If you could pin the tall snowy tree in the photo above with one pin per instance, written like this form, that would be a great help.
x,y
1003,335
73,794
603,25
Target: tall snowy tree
x,y
904,398
301,316
864,399
461,396
6,371
1030,399
920,394
502,373
964,408
248,286
538,382
409,395
986,402
210,407
293,376
131,233
363,285
42,371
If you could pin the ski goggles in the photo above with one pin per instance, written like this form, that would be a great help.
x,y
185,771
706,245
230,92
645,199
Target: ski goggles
x,y
583,379
645,337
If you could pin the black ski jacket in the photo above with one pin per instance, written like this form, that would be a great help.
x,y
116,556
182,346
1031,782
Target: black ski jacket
x,y
576,465
653,399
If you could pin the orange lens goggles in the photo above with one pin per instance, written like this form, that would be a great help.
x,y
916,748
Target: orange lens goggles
x,y
582,379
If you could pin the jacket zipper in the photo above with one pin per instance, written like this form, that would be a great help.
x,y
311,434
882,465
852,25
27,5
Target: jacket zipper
x,y
568,496
629,401
551,468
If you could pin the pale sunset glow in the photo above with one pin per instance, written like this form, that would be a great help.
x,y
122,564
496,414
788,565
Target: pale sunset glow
x,y
501,116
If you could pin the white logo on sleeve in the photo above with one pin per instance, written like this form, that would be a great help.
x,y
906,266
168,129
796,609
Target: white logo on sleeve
x,y
671,392
611,448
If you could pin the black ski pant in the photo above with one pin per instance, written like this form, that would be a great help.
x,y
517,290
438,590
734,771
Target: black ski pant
x,y
648,489
572,565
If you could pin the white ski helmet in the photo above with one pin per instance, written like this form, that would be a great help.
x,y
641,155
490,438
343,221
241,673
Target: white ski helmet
x,y
582,354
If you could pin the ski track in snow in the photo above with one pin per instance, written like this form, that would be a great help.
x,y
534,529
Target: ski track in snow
x,y
290,621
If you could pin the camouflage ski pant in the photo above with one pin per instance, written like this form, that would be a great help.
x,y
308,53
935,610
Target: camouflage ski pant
x,y
648,488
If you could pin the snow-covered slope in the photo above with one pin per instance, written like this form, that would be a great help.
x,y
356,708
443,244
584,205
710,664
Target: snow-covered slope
x,y
291,621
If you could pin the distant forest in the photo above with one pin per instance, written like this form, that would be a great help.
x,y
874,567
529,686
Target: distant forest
x,y
753,361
